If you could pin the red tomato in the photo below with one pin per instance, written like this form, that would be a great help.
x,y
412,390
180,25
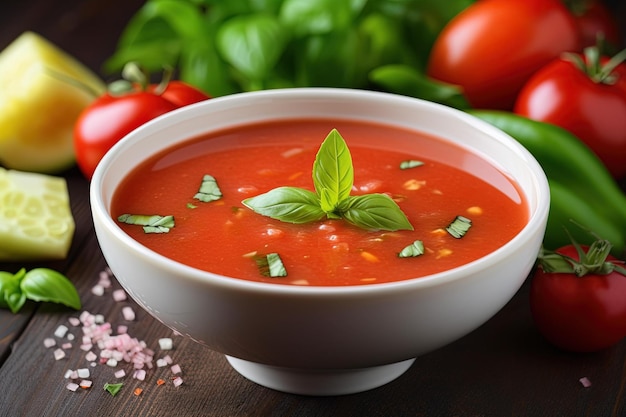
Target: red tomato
x,y
108,119
593,19
111,117
579,313
491,48
563,94
180,93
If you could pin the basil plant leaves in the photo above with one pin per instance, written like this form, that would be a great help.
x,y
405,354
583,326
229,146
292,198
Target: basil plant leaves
x,y
333,177
39,284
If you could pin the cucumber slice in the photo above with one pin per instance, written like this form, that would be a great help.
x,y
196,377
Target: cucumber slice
x,y
36,220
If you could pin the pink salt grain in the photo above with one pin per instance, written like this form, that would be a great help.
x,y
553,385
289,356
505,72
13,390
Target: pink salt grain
x,y
128,313
119,295
178,381
72,386
585,382
49,342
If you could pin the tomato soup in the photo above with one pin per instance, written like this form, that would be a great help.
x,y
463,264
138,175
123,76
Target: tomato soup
x,y
227,238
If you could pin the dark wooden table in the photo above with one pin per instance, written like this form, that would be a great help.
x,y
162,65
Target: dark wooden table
x,y
504,368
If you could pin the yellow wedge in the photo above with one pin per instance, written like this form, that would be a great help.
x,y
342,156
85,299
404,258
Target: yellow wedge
x,y
42,92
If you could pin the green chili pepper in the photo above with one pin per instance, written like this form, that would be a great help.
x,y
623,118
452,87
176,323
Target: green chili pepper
x,y
581,187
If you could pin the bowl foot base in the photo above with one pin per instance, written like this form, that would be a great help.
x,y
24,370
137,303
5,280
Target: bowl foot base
x,y
319,382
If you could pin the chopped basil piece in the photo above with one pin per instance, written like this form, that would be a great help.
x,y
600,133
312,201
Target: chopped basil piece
x,y
113,388
191,206
151,223
209,190
414,249
271,265
411,163
459,226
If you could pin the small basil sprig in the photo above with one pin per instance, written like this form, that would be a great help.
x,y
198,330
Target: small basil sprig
x,y
333,177
39,284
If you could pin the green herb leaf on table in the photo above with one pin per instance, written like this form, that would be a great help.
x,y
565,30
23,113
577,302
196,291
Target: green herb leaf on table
x,y
333,176
43,284
39,284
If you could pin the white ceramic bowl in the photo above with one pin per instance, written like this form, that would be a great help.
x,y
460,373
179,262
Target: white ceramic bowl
x,y
320,340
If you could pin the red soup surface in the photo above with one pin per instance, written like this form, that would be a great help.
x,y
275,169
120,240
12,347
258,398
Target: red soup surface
x,y
226,238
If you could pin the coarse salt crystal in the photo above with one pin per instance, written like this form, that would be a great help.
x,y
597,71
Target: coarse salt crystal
x,y
49,342
66,346
120,374
119,295
97,290
128,313
139,374
85,383
74,321
176,369
122,329
83,372
161,363
59,354
585,381
68,374
112,362
168,359
61,331
70,336
90,356
178,381
166,343
72,386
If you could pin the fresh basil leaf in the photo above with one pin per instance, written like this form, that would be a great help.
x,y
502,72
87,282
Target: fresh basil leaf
x,y
376,212
202,66
43,284
252,44
11,295
288,204
333,174
314,17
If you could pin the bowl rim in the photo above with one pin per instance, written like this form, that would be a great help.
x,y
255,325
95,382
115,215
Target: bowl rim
x,y
101,214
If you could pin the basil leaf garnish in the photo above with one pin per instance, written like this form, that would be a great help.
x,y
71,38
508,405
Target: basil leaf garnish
x,y
375,211
288,204
333,177
333,174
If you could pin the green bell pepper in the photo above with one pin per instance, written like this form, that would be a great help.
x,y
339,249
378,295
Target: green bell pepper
x,y
581,188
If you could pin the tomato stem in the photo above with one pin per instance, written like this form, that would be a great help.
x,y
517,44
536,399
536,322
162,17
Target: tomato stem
x,y
590,64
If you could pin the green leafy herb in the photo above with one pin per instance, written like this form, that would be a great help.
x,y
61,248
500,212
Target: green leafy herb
x,y
459,226
209,190
271,265
150,223
333,176
411,163
223,47
39,284
113,388
414,249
